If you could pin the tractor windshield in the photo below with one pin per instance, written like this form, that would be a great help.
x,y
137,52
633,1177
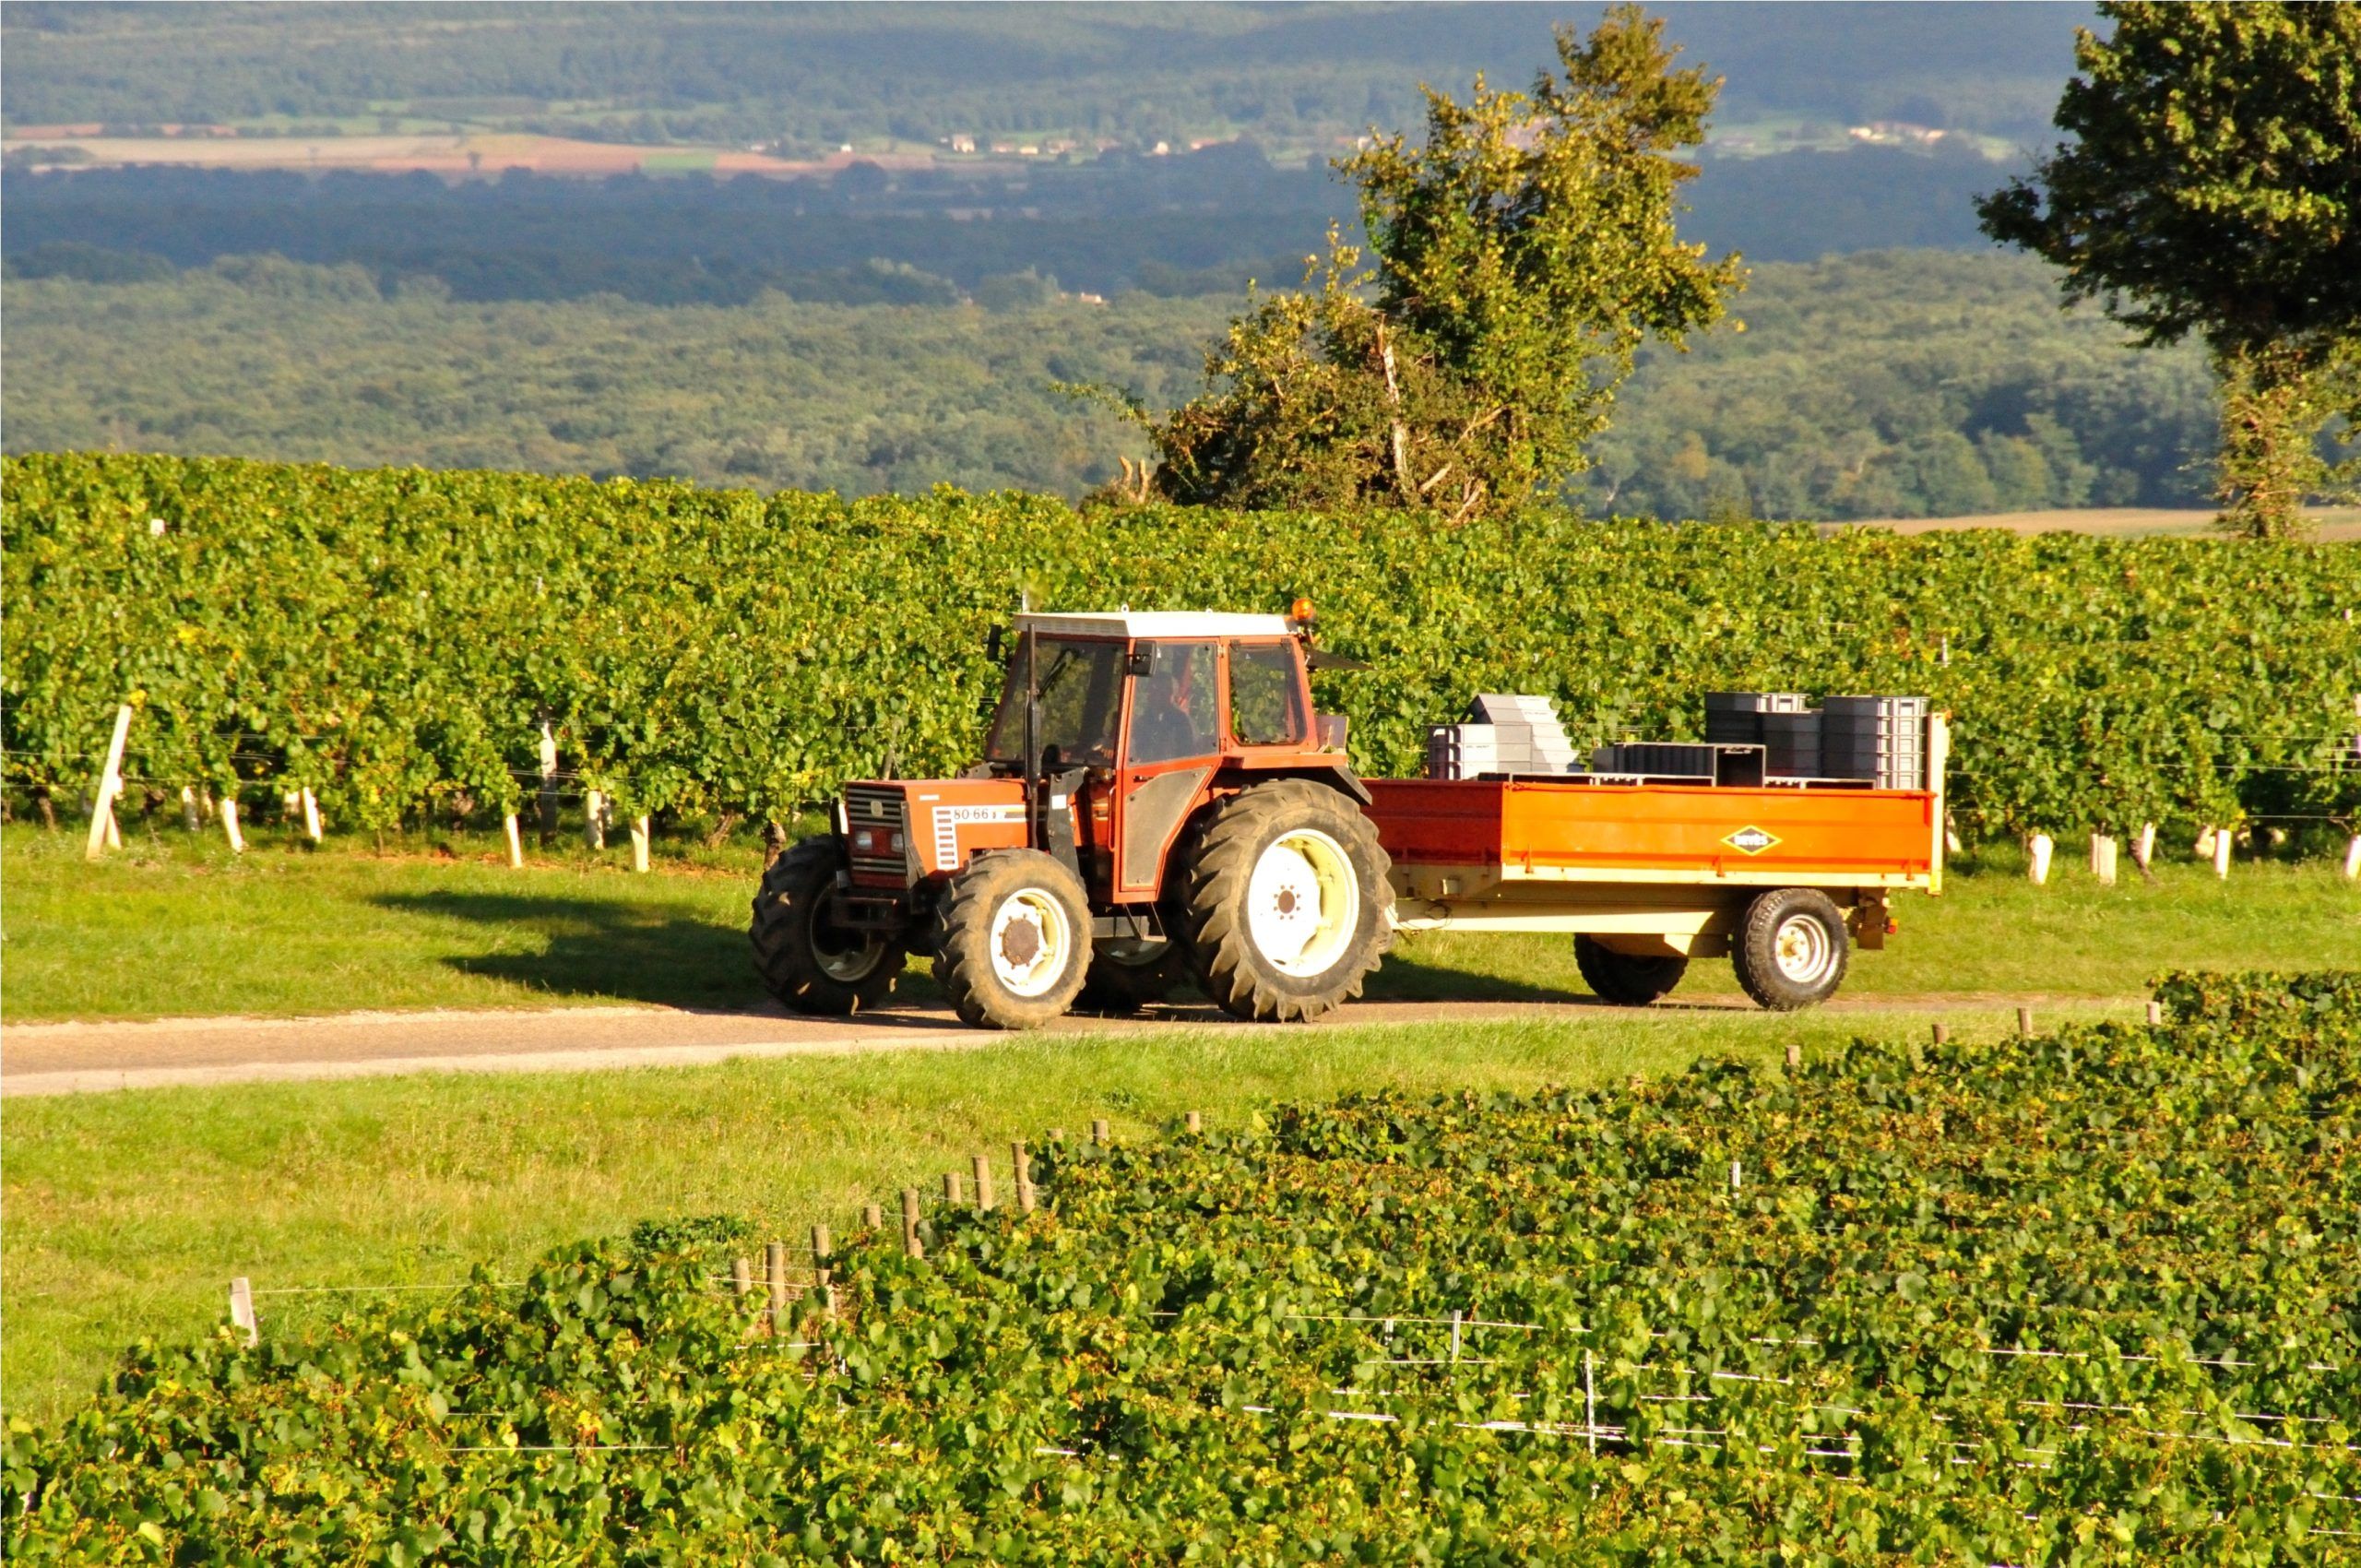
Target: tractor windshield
x,y
1082,692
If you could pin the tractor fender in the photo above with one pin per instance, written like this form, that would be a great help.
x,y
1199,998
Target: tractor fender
x,y
1337,776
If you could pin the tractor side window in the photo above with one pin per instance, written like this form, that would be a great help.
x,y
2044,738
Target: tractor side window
x,y
1172,705
1266,695
1081,684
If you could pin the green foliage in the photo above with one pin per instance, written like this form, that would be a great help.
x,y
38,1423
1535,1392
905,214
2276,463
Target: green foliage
x,y
1851,374
1905,384
1523,251
388,638
2077,1300
2214,186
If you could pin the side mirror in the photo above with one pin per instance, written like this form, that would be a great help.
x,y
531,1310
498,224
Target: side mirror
x,y
1141,661
996,645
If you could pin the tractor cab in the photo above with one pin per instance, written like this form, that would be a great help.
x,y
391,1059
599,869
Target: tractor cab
x,y
1119,742
1139,718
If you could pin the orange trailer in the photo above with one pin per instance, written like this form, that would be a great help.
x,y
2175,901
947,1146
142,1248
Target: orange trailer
x,y
1649,875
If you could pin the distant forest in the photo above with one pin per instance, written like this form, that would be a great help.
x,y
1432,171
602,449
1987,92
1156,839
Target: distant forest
x,y
1900,383
808,77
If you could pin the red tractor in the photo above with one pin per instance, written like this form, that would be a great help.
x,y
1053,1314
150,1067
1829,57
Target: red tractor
x,y
1157,804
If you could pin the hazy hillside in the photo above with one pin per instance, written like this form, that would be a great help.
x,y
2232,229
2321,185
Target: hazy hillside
x,y
813,76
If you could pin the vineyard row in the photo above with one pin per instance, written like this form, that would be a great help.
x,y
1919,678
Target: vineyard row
x,y
394,641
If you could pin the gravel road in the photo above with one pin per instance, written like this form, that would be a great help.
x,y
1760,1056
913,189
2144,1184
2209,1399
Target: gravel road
x,y
77,1058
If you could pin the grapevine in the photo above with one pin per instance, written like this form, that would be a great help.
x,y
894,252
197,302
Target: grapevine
x,y
2082,1299
392,639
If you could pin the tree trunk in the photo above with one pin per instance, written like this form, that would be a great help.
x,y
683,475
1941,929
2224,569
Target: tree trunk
x,y
2271,411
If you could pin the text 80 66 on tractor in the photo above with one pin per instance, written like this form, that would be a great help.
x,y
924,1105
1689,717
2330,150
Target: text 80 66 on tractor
x,y
1157,804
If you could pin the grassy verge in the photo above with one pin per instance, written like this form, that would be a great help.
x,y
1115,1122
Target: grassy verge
x,y
176,926
128,1213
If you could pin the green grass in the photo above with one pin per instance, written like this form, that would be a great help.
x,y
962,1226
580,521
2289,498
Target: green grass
x,y
177,926
127,1212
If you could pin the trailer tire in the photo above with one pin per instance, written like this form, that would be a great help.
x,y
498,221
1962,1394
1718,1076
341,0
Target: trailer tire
x,y
1625,979
1792,948
1289,904
1125,977
1014,940
805,959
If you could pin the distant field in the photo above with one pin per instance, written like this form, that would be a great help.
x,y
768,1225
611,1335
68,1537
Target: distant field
x,y
2336,523
440,154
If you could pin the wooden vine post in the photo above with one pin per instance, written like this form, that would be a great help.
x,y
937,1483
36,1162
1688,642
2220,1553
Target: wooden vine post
x,y
823,1248
1021,1163
103,835
982,1170
774,1272
911,1245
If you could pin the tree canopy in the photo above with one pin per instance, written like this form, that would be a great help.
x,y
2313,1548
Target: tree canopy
x,y
1523,253
2214,186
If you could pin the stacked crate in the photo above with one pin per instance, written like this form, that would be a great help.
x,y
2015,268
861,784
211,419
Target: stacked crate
x,y
1658,759
1881,740
1783,724
1735,718
1505,734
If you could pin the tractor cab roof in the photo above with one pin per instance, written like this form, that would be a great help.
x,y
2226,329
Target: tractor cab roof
x,y
1156,624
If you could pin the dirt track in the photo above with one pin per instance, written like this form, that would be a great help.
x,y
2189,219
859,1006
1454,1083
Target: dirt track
x,y
46,1059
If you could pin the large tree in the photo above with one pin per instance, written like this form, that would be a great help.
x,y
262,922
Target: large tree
x,y
1523,251
2213,185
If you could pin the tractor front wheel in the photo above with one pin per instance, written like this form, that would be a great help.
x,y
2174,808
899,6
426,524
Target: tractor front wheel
x,y
1288,903
807,957
1014,941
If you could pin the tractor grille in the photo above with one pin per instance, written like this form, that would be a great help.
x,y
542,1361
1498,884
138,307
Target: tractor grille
x,y
880,811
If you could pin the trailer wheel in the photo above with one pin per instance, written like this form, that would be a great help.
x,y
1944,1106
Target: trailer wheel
x,y
1288,903
1014,940
1791,949
1624,978
1128,975
807,958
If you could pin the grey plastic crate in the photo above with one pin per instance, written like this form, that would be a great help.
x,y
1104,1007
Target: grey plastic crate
x,y
1791,744
1668,759
1735,718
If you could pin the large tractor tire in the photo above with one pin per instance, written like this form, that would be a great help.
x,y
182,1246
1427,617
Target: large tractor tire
x,y
1128,975
1289,907
807,958
1624,978
1791,948
1014,941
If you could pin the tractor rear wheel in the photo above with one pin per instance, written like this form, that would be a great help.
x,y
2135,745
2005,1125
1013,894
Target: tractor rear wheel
x,y
1791,948
807,957
1288,905
1128,975
1624,978
1015,941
